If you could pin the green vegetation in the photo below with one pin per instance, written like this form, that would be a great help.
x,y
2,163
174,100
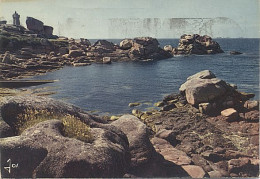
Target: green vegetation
x,y
4,40
73,127
20,40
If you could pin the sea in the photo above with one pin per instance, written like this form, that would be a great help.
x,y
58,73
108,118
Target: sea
x,y
108,89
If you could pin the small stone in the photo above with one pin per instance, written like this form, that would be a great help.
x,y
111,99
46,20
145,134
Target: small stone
x,y
113,118
63,50
234,164
126,44
75,53
233,86
133,104
168,135
81,64
179,104
252,115
137,113
149,112
194,171
107,60
172,101
158,141
219,150
200,161
233,175
52,54
73,47
168,107
168,48
90,54
235,53
158,122
144,116
251,104
205,108
215,174
206,74
174,155
230,114
159,104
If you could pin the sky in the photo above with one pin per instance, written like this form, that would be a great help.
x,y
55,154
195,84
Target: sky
x,y
96,19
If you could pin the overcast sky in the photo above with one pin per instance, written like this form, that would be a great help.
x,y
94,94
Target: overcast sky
x,y
92,18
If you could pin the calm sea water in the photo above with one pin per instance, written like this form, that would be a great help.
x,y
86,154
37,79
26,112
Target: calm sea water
x,y
108,89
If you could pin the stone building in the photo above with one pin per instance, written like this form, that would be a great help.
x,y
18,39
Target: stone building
x,y
16,19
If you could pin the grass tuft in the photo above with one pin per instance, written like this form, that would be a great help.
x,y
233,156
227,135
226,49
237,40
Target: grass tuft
x,y
73,127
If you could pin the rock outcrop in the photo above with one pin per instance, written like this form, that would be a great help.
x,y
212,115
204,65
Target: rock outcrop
x,y
66,157
34,25
147,48
185,141
38,27
34,53
196,44
141,148
204,90
145,161
5,129
46,152
217,138
43,149
235,53
126,44
212,94
218,146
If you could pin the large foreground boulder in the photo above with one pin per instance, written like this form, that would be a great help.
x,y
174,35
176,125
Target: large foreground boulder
x,y
204,90
196,44
145,161
11,107
59,156
47,152
213,95
203,87
141,148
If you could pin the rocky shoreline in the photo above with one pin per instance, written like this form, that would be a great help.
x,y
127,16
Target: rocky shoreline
x,y
207,130
34,50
